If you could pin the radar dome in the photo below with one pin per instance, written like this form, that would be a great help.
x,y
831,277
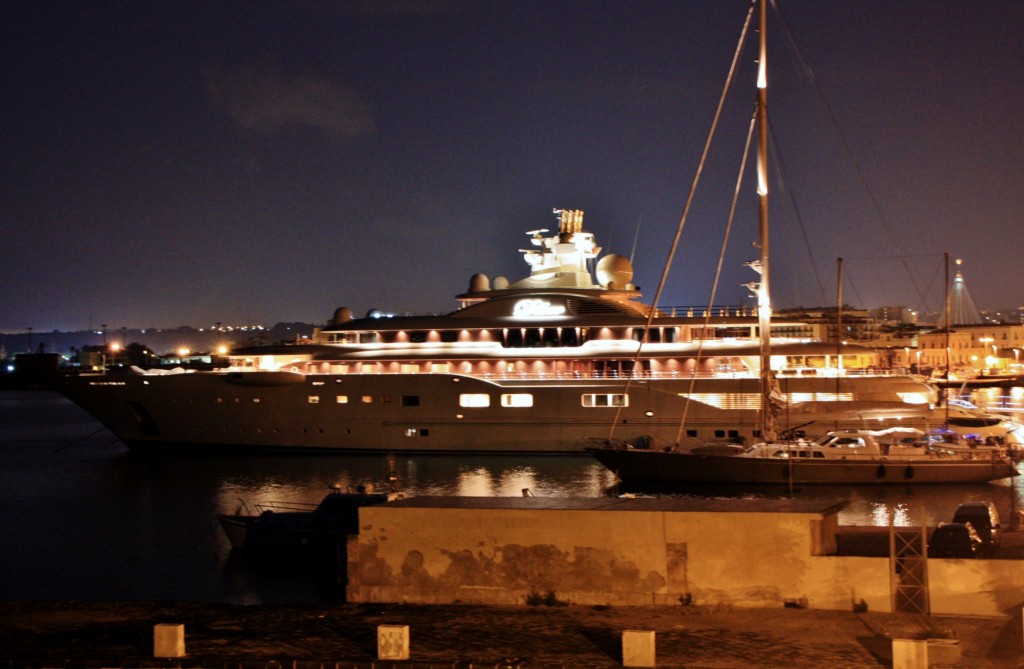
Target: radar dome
x,y
499,283
341,315
614,271
479,283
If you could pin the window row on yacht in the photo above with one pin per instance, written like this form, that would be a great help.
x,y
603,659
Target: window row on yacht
x,y
528,369
538,337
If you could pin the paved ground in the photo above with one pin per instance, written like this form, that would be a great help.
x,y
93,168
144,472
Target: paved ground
x,y
84,634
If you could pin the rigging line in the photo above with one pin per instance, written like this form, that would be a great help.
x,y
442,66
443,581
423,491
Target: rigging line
x,y
686,208
931,282
928,282
718,274
80,440
796,208
848,151
895,257
849,280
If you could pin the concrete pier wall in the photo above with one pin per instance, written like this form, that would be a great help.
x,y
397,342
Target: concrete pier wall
x,y
609,551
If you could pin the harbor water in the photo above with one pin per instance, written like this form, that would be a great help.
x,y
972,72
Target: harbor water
x,y
87,519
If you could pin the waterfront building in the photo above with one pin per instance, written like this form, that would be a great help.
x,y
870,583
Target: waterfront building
x,y
973,349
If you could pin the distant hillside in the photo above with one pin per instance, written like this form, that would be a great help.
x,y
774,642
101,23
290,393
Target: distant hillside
x,y
158,340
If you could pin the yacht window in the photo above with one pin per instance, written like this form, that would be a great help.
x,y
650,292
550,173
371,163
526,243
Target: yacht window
x,y
368,338
653,335
517,400
416,432
418,337
314,399
606,400
341,399
410,400
474,400
449,336
514,339
367,399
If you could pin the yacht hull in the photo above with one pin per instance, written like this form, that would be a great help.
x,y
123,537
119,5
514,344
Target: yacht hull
x,y
428,412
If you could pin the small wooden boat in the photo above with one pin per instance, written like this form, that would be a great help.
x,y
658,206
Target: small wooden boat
x,y
297,527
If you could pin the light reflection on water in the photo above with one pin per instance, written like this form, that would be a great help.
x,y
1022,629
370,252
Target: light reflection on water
x,y
307,478
999,400
87,519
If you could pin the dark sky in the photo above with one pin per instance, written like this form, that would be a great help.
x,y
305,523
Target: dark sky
x,y
169,163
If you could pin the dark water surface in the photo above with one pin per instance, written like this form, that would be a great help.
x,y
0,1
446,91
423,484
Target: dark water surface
x,y
85,518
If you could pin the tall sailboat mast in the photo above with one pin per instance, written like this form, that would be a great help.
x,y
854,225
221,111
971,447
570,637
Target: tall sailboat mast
x,y
764,305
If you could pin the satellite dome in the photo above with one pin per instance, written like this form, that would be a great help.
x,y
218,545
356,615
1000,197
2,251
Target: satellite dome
x,y
499,283
479,283
614,271
341,315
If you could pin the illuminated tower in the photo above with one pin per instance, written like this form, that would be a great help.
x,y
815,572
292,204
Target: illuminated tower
x,y
961,306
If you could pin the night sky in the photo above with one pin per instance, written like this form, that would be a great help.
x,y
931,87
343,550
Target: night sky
x,y
170,163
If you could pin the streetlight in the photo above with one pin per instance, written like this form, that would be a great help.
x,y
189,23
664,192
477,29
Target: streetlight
x,y
984,341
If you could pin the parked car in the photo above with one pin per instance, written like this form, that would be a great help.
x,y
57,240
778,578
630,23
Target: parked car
x,y
984,518
954,540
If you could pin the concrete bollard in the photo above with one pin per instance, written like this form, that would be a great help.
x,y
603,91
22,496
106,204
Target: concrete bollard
x,y
392,642
944,652
638,648
168,640
909,654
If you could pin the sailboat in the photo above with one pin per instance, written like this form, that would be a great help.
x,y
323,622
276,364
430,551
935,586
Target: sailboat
x,y
841,457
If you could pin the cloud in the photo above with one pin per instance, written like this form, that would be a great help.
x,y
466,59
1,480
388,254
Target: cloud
x,y
264,99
